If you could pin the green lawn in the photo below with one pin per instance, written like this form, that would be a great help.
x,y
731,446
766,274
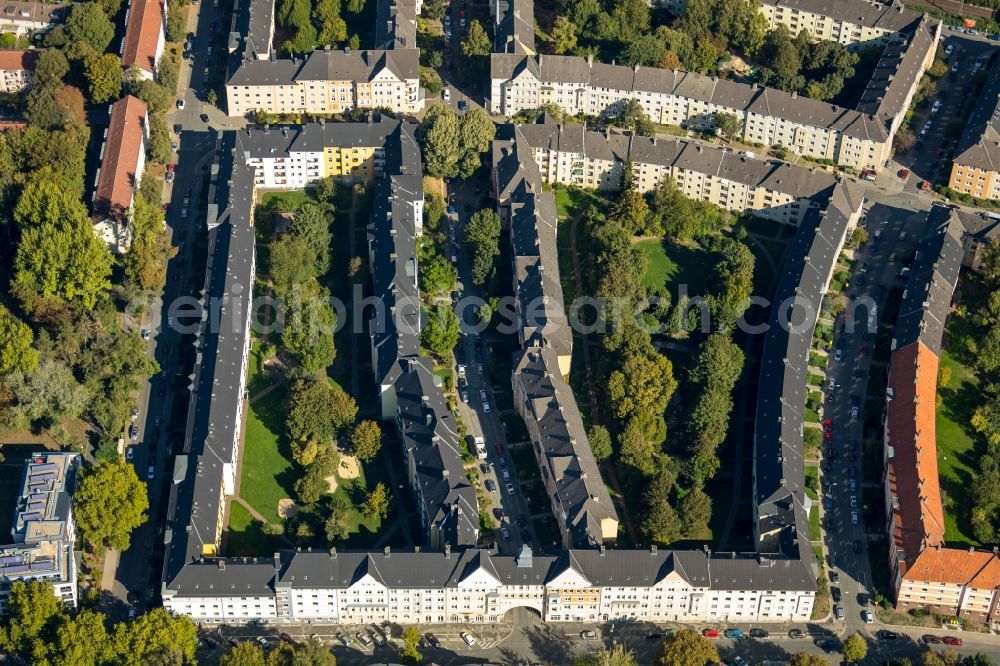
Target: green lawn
x,y
812,481
364,531
814,533
268,471
957,459
246,538
257,379
671,264
573,201
294,198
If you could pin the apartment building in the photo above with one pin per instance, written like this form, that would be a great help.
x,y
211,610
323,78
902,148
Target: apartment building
x,y
145,36
847,22
976,167
480,586
328,82
251,32
23,18
123,161
514,26
43,533
580,502
396,24
449,508
204,473
17,66
781,508
573,155
861,138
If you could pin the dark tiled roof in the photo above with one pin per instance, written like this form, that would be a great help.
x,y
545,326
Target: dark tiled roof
x,y
979,146
396,24
431,442
515,26
778,448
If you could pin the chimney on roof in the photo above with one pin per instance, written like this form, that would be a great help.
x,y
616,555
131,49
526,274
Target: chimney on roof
x,y
333,553
794,94
447,551
277,560
603,550
972,549
326,48
387,551
222,564
652,550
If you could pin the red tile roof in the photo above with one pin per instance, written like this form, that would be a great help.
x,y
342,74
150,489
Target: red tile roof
x,y
952,565
146,23
918,520
13,59
123,150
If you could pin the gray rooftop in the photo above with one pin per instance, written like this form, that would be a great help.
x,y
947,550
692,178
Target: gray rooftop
x,y
408,568
979,146
396,24
581,497
327,65
430,440
896,73
515,26
932,281
892,17
778,449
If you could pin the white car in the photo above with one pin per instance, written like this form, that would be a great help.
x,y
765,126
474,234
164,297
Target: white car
x,y
446,95
854,413
150,473
868,617
486,407
180,104
855,519
465,396
936,106
130,453
948,50
468,638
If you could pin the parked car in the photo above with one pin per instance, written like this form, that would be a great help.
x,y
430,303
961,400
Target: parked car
x,y
490,486
868,617
133,432
838,612
344,640
834,577
505,533
952,640
710,633
855,519
738,661
180,104
931,639
469,639
510,488
733,633
150,473
796,633
588,635
887,635
835,593
365,639
759,633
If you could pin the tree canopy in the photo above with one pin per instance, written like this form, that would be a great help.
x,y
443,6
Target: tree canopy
x,y
482,238
110,501
89,24
687,648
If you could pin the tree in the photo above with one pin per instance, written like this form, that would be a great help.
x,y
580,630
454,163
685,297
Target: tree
x,y
482,237
563,35
600,442
50,69
32,609
366,440
441,136
311,223
245,653
317,409
58,255
476,42
631,211
476,132
159,149
79,639
305,451
377,502
988,352
48,393
695,510
309,328
16,352
440,332
69,100
855,649
728,125
644,383
616,655
660,522
687,648
109,503
293,262
157,636
632,116
806,659
436,274
433,210
311,486
337,525
409,653
89,24
858,238
943,658
104,77
145,261
636,448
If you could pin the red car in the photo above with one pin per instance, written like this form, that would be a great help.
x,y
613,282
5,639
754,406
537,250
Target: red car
x,y
925,185
951,640
710,633
904,174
